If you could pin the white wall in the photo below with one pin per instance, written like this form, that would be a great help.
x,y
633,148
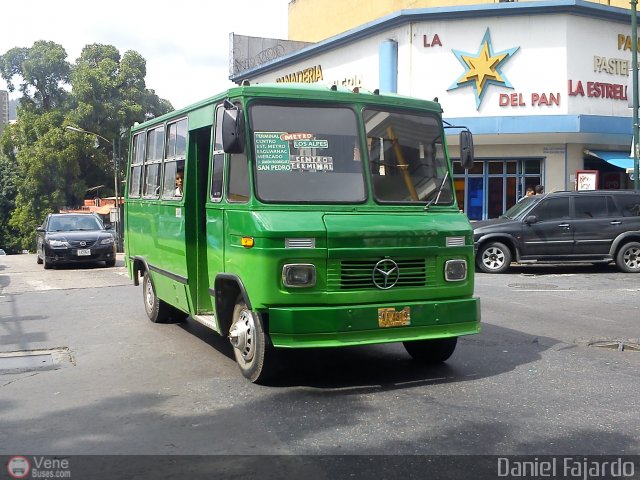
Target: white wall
x,y
551,49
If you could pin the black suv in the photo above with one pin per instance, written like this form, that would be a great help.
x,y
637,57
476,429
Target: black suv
x,y
74,237
588,226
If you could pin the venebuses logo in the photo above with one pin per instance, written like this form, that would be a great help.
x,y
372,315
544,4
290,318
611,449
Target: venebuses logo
x,y
18,467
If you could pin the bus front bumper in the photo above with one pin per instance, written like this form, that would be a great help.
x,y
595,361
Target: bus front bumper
x,y
339,326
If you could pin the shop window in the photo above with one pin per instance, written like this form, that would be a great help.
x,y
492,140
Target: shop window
x,y
495,167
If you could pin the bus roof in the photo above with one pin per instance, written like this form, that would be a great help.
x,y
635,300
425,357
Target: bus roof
x,y
301,91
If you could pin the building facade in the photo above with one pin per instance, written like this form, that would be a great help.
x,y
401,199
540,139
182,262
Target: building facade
x,y
543,86
316,20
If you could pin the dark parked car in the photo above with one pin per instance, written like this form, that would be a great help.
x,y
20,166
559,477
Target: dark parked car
x,y
594,226
74,237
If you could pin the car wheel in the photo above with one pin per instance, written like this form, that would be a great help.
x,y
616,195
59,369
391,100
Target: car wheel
x,y
493,257
38,259
110,263
46,263
628,257
431,351
157,310
252,346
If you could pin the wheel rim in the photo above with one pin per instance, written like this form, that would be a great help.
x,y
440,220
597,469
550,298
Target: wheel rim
x,y
242,334
149,297
493,258
631,258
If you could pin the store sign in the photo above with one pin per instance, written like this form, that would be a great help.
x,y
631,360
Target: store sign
x,y
534,99
624,42
434,42
613,66
483,68
615,91
308,75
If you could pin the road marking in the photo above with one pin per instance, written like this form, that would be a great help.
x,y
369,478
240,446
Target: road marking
x,y
537,290
39,285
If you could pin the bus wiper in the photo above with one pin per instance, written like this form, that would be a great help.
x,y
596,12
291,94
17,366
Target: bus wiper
x,y
439,191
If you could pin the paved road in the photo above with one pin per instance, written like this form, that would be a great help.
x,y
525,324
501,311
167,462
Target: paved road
x,y
528,384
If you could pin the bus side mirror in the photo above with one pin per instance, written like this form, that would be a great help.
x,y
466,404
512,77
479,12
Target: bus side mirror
x,y
466,149
232,129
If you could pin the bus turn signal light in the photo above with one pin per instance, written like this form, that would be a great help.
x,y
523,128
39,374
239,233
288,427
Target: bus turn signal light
x,y
247,242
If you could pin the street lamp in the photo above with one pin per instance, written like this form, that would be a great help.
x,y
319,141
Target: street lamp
x,y
115,175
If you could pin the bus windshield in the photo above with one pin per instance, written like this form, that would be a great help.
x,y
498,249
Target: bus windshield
x,y
407,157
307,154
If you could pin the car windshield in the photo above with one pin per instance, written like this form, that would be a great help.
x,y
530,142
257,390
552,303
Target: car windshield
x,y
523,205
406,157
307,154
70,223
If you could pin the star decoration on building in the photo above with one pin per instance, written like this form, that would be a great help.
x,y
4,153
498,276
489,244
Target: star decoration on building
x,y
483,68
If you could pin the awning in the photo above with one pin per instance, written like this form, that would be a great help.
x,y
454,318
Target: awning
x,y
617,159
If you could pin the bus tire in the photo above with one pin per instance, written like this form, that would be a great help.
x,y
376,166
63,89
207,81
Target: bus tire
x,y
254,353
431,351
157,310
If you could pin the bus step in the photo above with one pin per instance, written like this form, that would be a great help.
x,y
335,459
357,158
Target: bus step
x,y
208,321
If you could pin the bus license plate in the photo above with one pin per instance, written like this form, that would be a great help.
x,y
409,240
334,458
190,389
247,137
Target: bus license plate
x,y
83,252
389,317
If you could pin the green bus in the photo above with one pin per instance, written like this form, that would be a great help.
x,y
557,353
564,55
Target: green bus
x,y
302,216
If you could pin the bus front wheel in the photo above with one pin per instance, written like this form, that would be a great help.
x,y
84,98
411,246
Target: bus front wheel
x,y
251,345
431,351
157,310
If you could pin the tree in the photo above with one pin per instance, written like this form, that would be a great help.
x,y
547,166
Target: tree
x,y
44,72
9,179
110,95
49,171
55,166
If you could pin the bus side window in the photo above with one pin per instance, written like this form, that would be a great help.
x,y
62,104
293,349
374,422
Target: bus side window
x,y
217,159
174,160
239,187
153,163
137,159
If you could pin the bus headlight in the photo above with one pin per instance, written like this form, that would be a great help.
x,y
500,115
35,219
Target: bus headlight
x,y
299,275
455,270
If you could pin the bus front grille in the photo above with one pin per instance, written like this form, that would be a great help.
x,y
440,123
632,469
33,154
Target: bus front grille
x,y
359,274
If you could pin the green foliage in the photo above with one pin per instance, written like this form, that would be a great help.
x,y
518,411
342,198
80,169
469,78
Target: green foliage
x,y
43,69
44,167
9,179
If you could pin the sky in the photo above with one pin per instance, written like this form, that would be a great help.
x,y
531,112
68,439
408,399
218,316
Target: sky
x,y
185,42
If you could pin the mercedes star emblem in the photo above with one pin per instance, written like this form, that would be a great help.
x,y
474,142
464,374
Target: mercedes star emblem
x,y
385,274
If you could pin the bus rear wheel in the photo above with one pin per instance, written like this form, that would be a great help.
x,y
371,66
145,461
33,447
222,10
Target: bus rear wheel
x,y
252,346
157,310
431,351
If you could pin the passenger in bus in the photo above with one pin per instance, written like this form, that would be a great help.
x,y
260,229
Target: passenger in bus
x,y
179,181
